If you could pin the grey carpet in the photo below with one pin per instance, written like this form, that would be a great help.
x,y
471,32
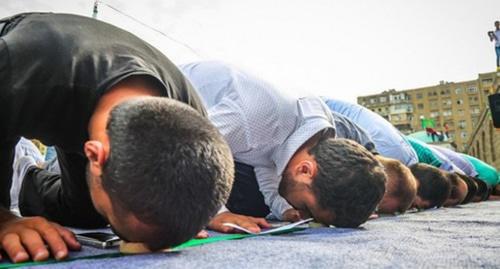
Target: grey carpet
x,y
463,237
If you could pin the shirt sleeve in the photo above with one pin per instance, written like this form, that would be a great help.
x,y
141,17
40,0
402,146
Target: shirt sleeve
x,y
7,151
268,185
222,210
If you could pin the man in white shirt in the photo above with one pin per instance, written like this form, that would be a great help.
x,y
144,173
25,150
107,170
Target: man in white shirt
x,y
289,143
495,36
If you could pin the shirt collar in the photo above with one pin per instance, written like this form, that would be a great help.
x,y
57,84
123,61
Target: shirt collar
x,y
312,116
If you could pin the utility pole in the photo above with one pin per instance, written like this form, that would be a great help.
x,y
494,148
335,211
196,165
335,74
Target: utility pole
x,y
94,14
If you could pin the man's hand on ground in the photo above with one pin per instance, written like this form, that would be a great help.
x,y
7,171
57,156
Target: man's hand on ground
x,y
22,238
291,215
249,223
201,235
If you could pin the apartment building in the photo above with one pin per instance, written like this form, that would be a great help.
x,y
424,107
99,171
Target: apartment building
x,y
452,106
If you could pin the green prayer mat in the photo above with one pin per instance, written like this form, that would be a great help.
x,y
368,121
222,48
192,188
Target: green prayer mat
x,y
189,244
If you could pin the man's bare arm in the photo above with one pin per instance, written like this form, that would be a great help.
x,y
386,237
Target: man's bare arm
x,y
22,238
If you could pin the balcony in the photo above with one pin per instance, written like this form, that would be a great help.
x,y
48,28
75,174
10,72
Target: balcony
x,y
401,109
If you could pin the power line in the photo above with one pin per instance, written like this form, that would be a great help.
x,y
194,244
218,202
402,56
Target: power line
x,y
147,26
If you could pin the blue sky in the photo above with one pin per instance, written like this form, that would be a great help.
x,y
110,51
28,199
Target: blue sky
x,y
341,49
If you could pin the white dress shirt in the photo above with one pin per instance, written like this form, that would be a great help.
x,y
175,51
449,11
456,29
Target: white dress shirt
x,y
263,126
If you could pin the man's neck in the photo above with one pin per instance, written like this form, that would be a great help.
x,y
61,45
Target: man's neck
x,y
134,87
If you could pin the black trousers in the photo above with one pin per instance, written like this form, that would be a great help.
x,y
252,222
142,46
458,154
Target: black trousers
x,y
246,198
63,198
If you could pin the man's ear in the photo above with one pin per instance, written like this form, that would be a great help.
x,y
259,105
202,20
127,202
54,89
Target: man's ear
x,y
306,171
96,154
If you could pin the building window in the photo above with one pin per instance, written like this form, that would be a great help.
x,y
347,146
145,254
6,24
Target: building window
x,y
445,92
447,102
433,93
420,95
383,99
487,81
451,135
420,106
458,91
447,113
475,110
472,90
463,134
473,99
461,124
434,114
460,102
434,104
373,100
474,120
460,112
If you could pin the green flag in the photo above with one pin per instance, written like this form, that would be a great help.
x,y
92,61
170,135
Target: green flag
x,y
428,123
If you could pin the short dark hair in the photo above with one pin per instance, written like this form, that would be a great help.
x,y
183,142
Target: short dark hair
x,y
471,188
400,184
455,181
350,182
434,186
168,166
483,190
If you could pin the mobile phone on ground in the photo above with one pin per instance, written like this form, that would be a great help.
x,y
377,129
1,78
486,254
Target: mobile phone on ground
x,y
98,239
